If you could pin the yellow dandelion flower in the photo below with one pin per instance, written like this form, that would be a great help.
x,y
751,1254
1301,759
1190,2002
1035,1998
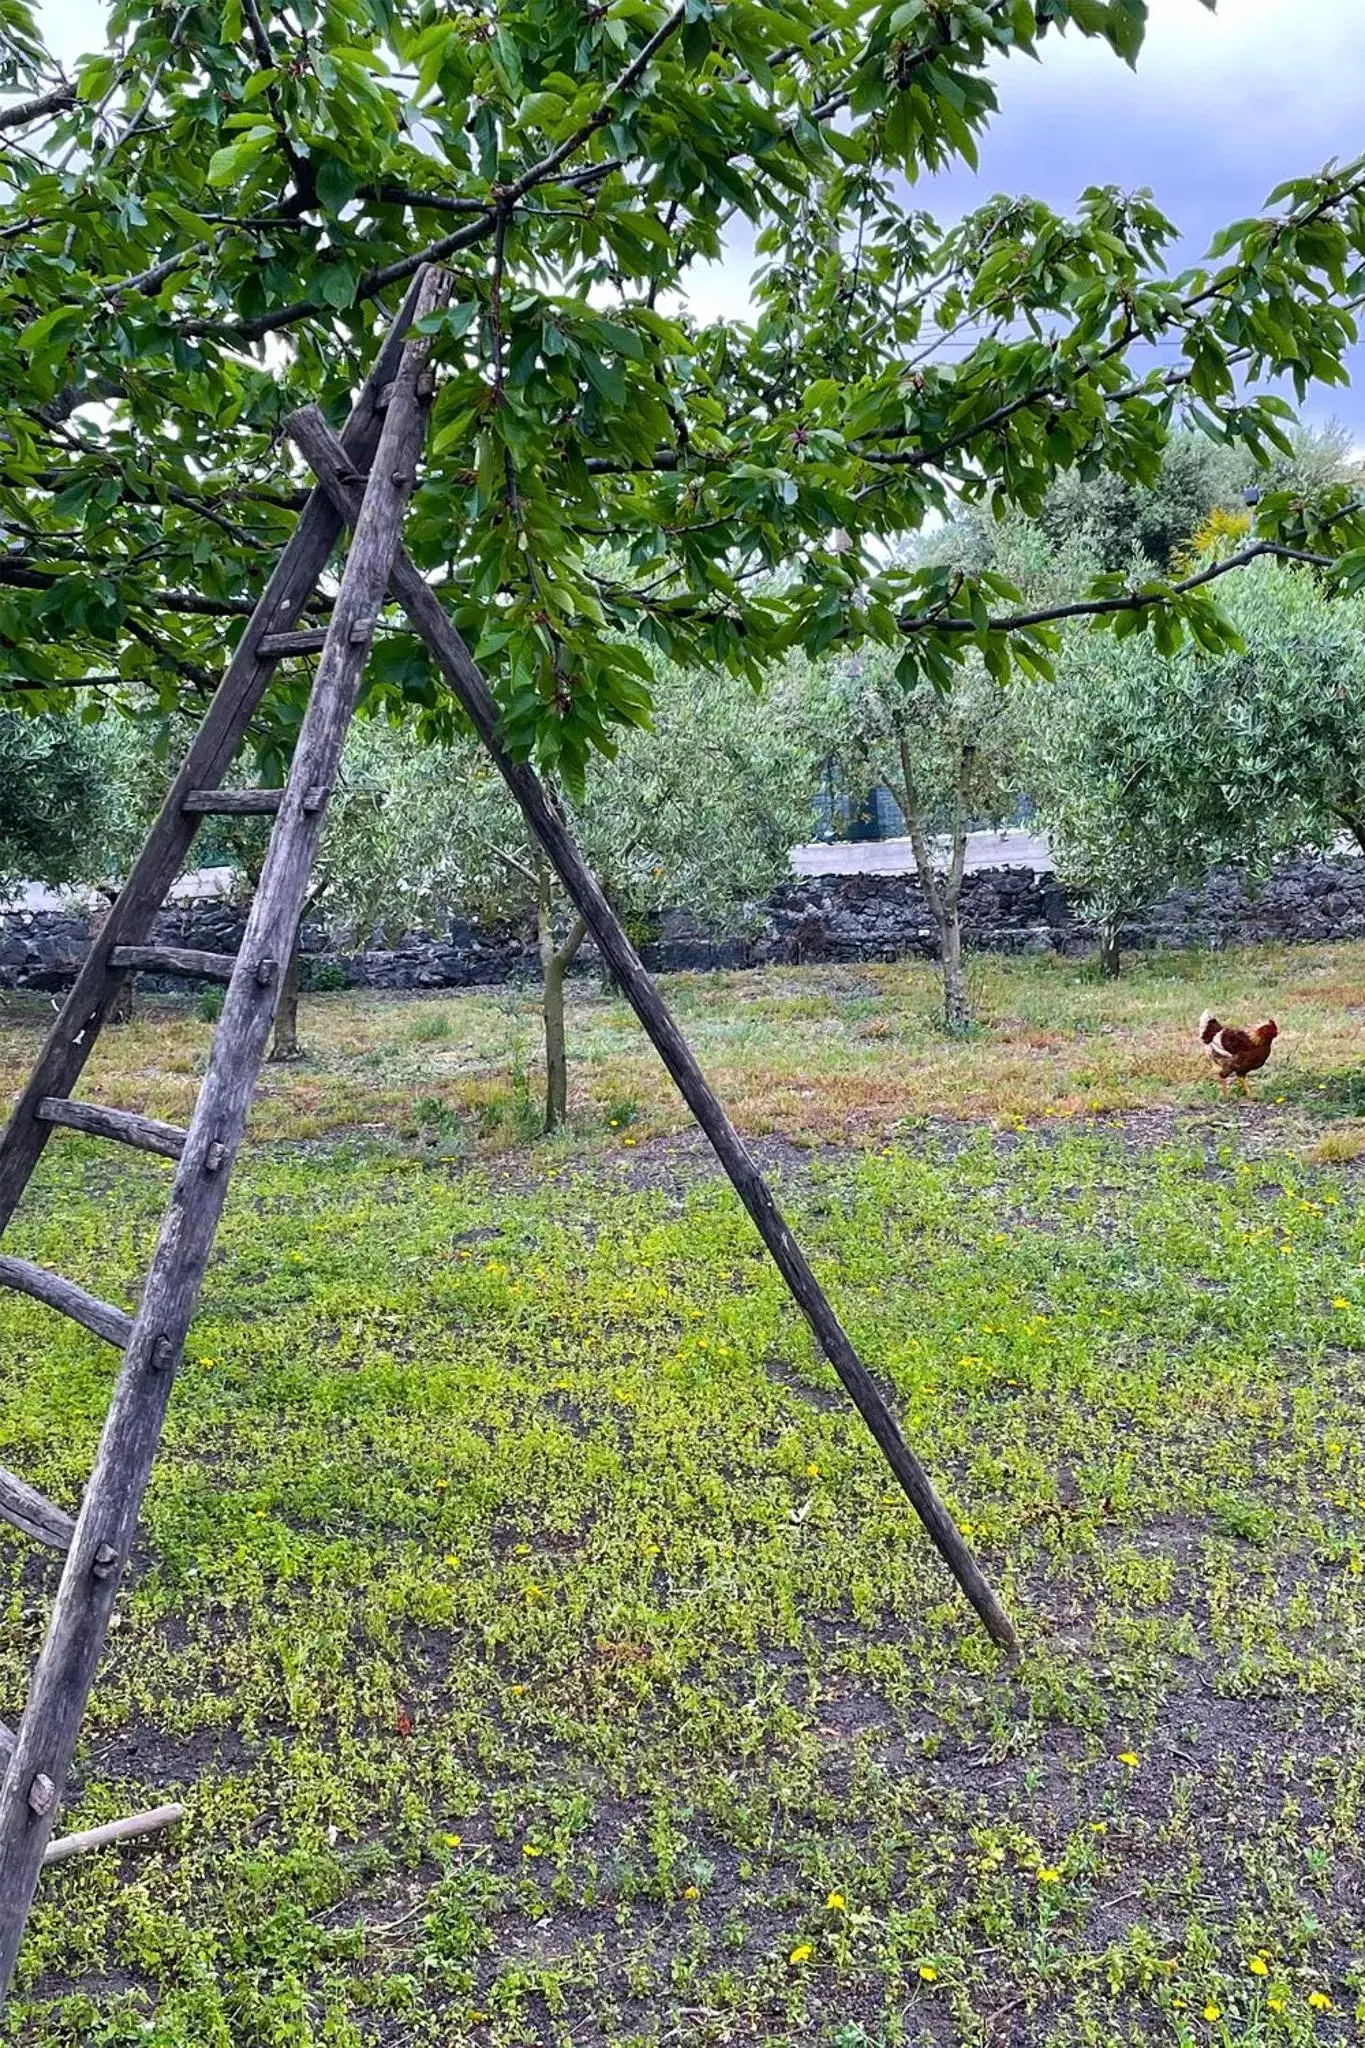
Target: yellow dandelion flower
x,y
929,1973
812,1471
1319,2001
454,1841
516,1690
1341,1302
1049,1874
690,1891
1212,2011
802,1953
1259,1967
535,1592
836,1903
1129,1757
1275,2004
441,1485
522,1550
1334,1450
452,1561
530,1849
651,1549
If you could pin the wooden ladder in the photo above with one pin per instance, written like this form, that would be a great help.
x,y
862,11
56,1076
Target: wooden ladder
x,y
364,478
380,446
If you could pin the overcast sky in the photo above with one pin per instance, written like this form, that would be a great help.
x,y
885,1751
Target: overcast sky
x,y
1222,107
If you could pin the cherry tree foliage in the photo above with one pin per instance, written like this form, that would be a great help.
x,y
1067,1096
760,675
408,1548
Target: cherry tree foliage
x,y
211,220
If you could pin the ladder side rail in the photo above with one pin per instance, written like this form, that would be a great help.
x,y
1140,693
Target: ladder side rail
x,y
105,1529
74,1030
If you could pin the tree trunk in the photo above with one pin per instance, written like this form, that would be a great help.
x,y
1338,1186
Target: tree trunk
x,y
120,1010
555,962
285,1043
1110,953
1353,818
957,1010
943,902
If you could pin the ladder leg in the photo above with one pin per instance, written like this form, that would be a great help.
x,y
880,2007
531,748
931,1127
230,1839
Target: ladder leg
x,y
429,618
37,1772
295,577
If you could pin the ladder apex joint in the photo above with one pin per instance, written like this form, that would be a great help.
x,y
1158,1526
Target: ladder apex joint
x,y
161,1354
104,1561
265,973
42,1794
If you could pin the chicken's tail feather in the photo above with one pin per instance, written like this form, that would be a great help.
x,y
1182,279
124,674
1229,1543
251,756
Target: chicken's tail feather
x,y
1209,1027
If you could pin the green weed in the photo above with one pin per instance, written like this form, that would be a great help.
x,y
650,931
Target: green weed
x,y
544,1653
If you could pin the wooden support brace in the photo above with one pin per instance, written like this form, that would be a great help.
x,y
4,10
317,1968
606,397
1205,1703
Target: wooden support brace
x,y
93,1120
33,1514
327,458
233,803
130,1829
180,960
100,1317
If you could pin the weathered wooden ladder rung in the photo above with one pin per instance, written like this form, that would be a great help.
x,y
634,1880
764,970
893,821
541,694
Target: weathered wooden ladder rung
x,y
93,1120
94,1315
284,646
233,803
33,1514
180,960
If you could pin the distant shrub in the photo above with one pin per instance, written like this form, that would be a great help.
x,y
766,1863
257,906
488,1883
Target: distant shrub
x,y
322,977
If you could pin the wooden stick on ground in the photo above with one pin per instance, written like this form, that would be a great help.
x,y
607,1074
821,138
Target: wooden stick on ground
x,y
328,459
129,1829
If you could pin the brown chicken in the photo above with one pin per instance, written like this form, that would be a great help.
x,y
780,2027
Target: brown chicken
x,y
1234,1053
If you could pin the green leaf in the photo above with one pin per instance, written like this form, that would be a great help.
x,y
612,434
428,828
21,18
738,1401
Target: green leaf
x,y
232,163
336,184
335,285
96,76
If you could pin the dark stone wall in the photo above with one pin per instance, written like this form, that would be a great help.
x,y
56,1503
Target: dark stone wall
x,y
822,917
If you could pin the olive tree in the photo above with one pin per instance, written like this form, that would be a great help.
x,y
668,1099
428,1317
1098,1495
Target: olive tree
x,y
948,756
1150,769
700,810
57,808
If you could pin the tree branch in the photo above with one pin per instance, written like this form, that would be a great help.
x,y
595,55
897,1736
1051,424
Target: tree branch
x,y
914,821
1132,601
567,953
961,802
22,574
541,172
23,111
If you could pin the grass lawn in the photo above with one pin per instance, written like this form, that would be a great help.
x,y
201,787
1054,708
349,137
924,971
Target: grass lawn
x,y
531,1630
